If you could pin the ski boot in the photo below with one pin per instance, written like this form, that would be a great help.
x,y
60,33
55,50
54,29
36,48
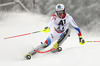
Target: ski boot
x,y
28,56
59,49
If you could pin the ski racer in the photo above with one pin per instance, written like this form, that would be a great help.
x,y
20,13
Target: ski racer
x,y
59,24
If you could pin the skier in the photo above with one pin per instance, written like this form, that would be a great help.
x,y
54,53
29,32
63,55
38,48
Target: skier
x,y
60,31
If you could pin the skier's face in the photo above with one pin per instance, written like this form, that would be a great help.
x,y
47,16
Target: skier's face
x,y
60,14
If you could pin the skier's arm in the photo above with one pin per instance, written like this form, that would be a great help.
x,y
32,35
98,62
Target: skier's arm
x,y
51,22
74,25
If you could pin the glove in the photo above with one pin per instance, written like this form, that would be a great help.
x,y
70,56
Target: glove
x,y
45,30
81,40
55,46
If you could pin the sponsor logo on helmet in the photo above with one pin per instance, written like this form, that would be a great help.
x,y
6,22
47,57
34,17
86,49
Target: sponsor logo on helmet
x,y
59,6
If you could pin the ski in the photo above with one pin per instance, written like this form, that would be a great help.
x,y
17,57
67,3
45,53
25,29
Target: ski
x,y
29,55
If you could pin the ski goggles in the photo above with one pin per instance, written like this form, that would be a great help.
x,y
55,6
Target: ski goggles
x,y
59,12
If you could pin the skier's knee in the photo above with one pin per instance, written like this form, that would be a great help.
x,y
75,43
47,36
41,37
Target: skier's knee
x,y
64,36
44,45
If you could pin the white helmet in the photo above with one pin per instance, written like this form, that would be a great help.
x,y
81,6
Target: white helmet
x,y
60,7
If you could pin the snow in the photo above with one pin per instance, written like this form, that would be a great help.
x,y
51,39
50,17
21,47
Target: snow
x,y
12,51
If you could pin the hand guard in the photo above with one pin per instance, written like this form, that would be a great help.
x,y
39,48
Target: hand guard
x,y
81,40
45,30
55,46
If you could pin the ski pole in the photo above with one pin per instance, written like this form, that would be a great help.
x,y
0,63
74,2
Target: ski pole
x,y
92,41
22,34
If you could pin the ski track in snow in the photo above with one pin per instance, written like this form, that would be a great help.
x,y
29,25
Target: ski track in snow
x,y
12,51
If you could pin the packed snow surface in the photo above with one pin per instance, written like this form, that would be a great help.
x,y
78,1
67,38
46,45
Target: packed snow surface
x,y
12,51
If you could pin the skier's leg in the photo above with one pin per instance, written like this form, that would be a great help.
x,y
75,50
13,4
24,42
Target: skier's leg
x,y
62,38
40,47
51,38
32,52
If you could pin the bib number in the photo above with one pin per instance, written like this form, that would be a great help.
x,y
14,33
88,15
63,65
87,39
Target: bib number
x,y
61,24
